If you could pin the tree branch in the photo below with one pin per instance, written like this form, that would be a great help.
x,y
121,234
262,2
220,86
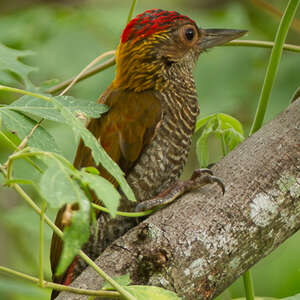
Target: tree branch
x,y
202,243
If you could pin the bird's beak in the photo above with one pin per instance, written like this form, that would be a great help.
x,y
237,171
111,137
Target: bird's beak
x,y
216,37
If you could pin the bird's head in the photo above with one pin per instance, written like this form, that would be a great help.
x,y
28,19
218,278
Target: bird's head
x,y
158,43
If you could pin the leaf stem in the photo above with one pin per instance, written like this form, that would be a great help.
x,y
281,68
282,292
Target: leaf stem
x,y
41,270
23,92
262,44
248,284
116,285
125,214
274,64
17,155
61,287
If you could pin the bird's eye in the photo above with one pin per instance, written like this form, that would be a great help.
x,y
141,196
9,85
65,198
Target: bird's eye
x,y
189,34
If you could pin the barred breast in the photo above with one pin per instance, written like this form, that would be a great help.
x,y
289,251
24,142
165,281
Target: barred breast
x,y
162,162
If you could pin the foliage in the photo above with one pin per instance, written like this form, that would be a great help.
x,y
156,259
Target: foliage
x,y
10,65
21,125
48,111
60,183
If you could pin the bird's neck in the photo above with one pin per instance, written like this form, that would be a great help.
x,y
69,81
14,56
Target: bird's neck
x,y
137,68
179,99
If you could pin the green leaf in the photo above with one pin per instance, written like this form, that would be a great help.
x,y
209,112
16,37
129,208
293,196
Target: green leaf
x,y
99,154
104,190
9,61
57,187
75,236
142,292
123,280
22,125
47,110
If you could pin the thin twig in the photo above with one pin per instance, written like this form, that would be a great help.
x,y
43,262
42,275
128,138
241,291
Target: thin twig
x,y
41,266
124,213
262,44
61,287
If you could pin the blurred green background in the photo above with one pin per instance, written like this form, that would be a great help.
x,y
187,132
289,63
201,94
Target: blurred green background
x,y
67,35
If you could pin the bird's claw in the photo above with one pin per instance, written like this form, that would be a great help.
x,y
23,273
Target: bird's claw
x,y
208,179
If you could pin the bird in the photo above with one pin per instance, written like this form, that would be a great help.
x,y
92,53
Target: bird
x,y
153,108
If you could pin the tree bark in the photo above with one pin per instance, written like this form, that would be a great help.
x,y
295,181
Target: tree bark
x,y
203,242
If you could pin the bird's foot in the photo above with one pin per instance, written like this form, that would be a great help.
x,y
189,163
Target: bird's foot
x,y
199,178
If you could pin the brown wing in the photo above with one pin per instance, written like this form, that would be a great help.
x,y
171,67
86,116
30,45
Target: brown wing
x,y
123,132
